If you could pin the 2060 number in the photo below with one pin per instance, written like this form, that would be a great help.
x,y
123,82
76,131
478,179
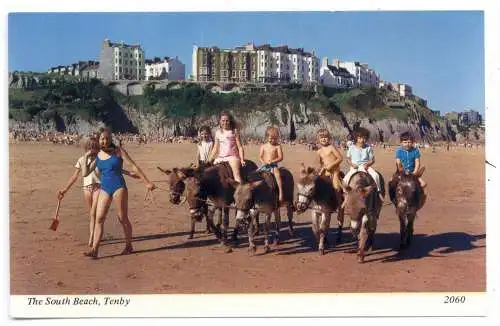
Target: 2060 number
x,y
454,299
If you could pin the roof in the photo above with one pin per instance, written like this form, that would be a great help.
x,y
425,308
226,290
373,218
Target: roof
x,y
339,71
121,44
268,47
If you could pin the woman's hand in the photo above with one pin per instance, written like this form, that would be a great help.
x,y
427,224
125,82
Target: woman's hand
x,y
134,175
151,186
60,194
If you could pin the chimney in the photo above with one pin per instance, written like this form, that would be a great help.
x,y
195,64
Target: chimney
x,y
324,62
336,62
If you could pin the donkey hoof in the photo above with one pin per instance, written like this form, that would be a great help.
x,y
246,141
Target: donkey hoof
x,y
322,252
267,249
252,250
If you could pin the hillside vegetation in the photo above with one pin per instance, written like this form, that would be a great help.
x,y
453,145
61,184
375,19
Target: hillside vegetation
x,y
67,102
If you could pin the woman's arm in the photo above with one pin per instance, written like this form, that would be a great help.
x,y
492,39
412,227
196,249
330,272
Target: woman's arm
x,y
71,181
240,148
131,174
123,153
417,166
214,152
279,158
338,157
371,158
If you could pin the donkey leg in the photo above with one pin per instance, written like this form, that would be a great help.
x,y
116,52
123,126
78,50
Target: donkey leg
x,y
340,224
277,221
363,236
225,227
409,235
267,224
323,232
316,226
210,221
252,248
191,232
372,228
256,223
289,213
402,231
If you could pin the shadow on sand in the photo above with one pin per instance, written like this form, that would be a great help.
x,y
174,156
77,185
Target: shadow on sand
x,y
423,245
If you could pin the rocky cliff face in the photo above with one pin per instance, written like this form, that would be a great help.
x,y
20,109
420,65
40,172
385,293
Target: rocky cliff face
x,y
300,123
305,123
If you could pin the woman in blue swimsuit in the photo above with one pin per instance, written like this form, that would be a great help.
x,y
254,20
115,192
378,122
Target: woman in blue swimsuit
x,y
109,161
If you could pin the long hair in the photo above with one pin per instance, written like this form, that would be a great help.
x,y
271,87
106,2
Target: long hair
x,y
206,129
92,143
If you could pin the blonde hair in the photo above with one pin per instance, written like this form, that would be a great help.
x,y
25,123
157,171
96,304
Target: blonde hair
x,y
323,132
272,130
91,143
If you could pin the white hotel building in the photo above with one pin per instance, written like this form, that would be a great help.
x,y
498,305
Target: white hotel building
x,y
286,64
364,75
120,61
335,76
165,69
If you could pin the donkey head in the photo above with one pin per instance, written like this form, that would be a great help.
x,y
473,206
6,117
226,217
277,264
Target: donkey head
x,y
306,188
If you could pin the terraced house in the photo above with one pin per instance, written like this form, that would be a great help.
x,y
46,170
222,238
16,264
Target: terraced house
x,y
165,69
254,64
224,65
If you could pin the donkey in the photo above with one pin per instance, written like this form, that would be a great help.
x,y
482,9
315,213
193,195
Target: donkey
x,y
312,187
214,185
407,195
363,204
177,186
261,196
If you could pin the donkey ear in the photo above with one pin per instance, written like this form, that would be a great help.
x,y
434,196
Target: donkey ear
x,y
302,167
180,174
310,170
232,182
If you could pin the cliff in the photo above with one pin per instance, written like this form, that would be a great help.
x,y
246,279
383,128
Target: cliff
x,y
83,105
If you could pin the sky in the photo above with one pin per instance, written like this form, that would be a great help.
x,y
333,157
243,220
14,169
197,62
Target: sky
x,y
439,53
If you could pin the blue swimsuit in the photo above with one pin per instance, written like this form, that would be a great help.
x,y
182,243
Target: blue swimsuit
x,y
111,174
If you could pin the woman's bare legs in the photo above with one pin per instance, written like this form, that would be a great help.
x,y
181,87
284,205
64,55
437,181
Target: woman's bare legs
x,y
235,166
121,200
87,195
103,203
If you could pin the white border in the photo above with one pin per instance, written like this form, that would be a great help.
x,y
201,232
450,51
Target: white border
x,y
491,112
